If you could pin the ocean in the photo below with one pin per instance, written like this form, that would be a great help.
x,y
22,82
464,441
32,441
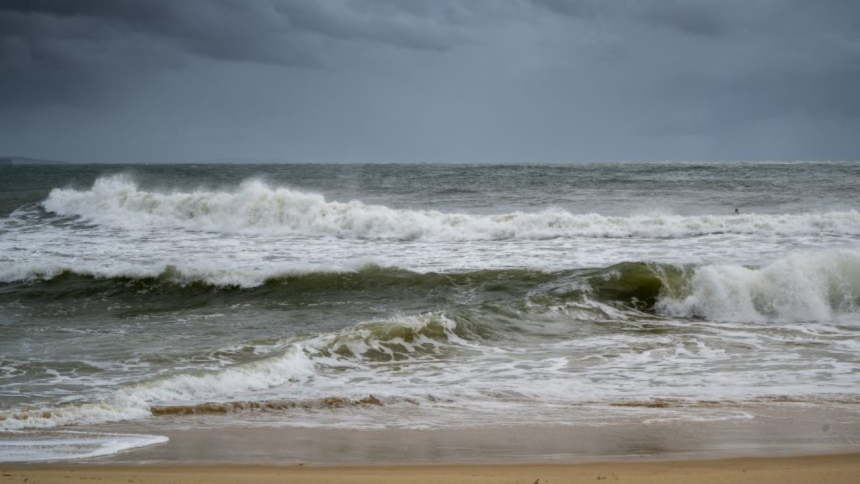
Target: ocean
x,y
418,296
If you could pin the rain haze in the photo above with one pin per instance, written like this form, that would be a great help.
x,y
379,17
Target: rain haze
x,y
442,81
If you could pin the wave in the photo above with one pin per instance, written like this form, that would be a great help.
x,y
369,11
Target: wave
x,y
58,282
257,208
812,286
135,402
166,277
807,286
798,288
297,363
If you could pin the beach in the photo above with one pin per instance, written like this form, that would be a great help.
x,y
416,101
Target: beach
x,y
836,469
779,445
787,447
661,433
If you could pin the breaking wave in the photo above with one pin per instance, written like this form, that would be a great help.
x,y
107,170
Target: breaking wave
x,y
807,286
802,287
296,363
257,208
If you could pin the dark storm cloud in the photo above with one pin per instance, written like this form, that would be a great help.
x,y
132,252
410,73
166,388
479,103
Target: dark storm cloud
x,y
724,62
454,80
54,50
718,17
258,31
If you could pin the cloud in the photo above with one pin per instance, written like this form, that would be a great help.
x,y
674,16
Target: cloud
x,y
70,50
456,80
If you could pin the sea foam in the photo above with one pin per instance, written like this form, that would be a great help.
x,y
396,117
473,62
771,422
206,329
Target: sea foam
x,y
255,207
808,286
132,403
62,445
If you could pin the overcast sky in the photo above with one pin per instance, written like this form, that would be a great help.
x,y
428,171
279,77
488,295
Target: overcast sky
x,y
428,81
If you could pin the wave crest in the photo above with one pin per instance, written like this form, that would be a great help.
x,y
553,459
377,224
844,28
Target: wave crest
x,y
297,362
257,208
801,287
806,286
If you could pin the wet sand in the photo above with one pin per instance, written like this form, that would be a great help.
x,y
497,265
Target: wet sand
x,y
832,469
753,431
776,444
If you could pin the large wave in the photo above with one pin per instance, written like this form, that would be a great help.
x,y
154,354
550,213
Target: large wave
x,y
805,286
809,286
258,208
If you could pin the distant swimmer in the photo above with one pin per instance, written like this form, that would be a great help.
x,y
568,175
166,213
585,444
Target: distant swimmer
x,y
737,211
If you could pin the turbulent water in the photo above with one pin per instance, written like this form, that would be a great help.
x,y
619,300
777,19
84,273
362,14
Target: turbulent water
x,y
418,296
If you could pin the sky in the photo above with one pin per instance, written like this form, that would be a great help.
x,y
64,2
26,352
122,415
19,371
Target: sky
x,y
420,81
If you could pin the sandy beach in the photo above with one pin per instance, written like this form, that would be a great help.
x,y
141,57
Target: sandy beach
x,y
832,469
783,444
766,430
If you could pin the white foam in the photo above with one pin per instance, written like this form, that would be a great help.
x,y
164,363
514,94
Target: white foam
x,y
134,402
257,208
91,413
293,366
458,382
30,447
809,286
18,271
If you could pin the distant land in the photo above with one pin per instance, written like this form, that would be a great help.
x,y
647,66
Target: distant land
x,y
23,160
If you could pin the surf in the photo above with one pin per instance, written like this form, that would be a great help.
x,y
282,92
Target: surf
x,y
255,207
811,285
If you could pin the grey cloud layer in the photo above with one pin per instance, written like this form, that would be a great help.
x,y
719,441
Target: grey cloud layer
x,y
60,49
388,80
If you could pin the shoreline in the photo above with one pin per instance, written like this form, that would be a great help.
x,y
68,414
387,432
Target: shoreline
x,y
836,469
648,434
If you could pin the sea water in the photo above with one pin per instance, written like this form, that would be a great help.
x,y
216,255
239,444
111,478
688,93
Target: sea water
x,y
419,296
